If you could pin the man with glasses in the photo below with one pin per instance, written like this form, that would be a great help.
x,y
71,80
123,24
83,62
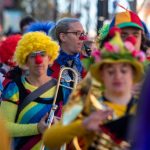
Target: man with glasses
x,y
70,34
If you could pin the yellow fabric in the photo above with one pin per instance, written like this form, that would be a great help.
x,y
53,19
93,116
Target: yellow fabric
x,y
46,94
16,130
14,97
64,134
36,147
118,109
59,134
5,139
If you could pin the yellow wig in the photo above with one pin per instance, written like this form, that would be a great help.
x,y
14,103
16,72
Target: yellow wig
x,y
32,42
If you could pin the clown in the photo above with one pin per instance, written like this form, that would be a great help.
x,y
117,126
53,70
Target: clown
x,y
7,49
35,51
70,35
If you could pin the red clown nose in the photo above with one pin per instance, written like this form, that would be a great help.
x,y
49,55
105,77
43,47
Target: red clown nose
x,y
83,37
132,39
38,59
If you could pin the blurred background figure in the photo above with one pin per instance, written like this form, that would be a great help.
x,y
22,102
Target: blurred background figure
x,y
148,50
1,89
140,131
130,25
24,22
7,50
88,46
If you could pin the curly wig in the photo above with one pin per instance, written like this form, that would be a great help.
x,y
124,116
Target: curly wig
x,y
32,42
40,26
7,48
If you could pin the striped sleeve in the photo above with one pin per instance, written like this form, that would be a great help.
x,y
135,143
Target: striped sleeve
x,y
10,98
11,93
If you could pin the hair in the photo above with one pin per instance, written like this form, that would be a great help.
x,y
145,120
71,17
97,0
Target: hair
x,y
26,21
32,42
8,47
40,26
146,31
145,44
61,26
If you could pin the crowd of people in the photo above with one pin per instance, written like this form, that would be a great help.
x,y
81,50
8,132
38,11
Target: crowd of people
x,y
108,106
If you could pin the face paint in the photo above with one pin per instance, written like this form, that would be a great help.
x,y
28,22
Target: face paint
x,y
38,56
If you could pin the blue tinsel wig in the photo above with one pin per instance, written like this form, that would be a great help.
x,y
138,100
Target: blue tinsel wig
x,y
40,26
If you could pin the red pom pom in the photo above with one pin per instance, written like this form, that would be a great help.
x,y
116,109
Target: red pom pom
x,y
148,58
38,59
131,39
83,37
135,53
113,31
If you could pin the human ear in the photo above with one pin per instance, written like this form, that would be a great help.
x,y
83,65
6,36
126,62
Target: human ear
x,y
62,37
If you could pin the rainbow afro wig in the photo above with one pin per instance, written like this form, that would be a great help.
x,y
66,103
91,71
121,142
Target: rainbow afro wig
x,y
32,42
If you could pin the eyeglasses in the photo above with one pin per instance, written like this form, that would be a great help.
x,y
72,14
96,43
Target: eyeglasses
x,y
77,33
34,54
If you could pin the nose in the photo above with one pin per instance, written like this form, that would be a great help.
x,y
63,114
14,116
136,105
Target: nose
x,y
38,59
131,38
83,37
118,75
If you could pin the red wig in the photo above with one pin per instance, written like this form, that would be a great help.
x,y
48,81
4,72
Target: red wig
x,y
7,49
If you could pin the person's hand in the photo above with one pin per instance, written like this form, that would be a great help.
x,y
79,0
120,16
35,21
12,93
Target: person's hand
x,y
56,119
42,125
136,89
97,118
